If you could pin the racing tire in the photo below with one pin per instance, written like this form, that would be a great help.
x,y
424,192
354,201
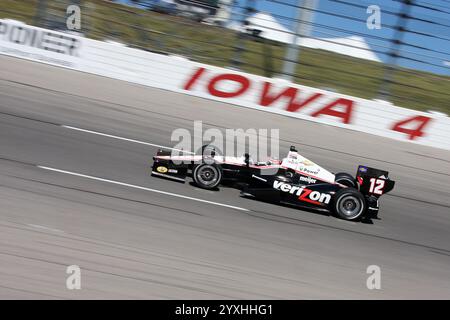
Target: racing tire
x,y
207,176
209,150
346,179
349,204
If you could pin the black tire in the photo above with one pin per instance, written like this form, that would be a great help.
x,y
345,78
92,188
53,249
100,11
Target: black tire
x,y
209,150
207,176
346,179
349,204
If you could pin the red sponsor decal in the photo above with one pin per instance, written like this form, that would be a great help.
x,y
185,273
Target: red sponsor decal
x,y
360,180
304,197
412,132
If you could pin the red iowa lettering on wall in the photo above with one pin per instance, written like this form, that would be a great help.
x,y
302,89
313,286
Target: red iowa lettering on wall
x,y
331,110
193,79
242,82
267,98
243,85
340,108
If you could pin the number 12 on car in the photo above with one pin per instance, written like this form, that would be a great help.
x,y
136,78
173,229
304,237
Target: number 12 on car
x,y
376,186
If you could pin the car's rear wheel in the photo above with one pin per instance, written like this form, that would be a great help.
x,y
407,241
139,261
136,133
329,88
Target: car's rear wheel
x,y
207,176
346,179
349,204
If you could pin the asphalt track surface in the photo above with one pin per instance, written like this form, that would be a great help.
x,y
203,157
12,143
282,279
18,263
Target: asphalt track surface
x,y
139,237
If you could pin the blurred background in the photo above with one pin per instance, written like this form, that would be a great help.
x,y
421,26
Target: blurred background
x,y
391,50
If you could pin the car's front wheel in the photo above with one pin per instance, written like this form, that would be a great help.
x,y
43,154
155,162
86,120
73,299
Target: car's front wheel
x,y
207,176
349,204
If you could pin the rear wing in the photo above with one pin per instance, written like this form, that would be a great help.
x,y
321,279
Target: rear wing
x,y
373,182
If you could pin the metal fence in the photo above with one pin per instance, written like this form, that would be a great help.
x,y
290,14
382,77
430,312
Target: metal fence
x,y
409,27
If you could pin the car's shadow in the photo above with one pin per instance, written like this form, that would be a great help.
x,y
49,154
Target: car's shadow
x,y
192,183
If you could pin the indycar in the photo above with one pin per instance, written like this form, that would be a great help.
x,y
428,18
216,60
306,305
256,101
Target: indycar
x,y
294,180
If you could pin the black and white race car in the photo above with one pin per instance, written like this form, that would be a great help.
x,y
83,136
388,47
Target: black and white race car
x,y
294,180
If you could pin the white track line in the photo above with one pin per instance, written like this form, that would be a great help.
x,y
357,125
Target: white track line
x,y
44,228
141,188
122,138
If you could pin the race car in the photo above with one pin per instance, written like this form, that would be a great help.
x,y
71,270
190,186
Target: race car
x,y
294,180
